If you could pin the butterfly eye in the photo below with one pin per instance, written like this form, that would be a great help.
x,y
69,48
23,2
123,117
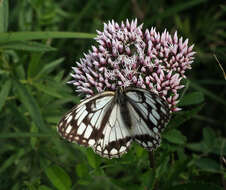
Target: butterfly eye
x,y
109,126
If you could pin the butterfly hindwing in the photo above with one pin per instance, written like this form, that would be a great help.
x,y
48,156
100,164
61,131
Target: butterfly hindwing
x,y
149,114
117,139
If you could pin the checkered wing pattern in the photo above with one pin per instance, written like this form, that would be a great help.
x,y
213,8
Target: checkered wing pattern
x,y
97,123
109,125
149,114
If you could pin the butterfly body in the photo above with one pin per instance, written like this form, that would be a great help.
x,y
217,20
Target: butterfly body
x,y
110,121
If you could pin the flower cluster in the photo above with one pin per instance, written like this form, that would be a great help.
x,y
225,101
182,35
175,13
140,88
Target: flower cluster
x,y
128,56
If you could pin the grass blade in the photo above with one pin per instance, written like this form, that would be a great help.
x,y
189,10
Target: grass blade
x,y
30,104
4,14
4,93
24,36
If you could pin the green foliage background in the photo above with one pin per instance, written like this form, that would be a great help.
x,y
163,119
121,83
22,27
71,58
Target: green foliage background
x,y
40,40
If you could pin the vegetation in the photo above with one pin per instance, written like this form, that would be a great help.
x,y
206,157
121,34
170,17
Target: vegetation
x,y
40,40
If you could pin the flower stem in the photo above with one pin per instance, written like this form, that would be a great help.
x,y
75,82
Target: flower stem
x,y
152,166
151,160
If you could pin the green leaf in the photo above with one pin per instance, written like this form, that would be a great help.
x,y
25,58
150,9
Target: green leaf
x,y
178,7
82,170
4,13
58,177
24,36
208,136
20,72
92,159
198,147
27,46
33,140
208,93
176,169
43,187
48,68
191,99
4,93
175,136
207,164
48,89
11,159
184,116
148,179
163,167
194,186
30,104
209,144
35,64
26,135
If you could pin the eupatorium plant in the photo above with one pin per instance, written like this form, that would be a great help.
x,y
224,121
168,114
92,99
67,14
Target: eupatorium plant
x,y
128,55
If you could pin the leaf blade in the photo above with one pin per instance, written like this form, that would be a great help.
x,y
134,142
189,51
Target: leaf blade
x,y
4,93
58,177
30,104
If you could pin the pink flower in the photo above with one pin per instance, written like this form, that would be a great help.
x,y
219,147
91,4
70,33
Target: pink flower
x,y
127,55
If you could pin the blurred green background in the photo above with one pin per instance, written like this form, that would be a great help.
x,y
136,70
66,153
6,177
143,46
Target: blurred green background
x,y
40,40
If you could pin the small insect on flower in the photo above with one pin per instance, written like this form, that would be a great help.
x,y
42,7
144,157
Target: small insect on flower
x,y
109,121
131,82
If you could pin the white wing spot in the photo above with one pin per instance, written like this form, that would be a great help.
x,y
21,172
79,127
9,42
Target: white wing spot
x,y
82,116
144,109
151,104
144,144
150,144
77,138
128,144
122,149
61,123
114,151
88,131
67,116
91,142
158,100
69,119
133,96
99,148
68,130
163,110
156,115
153,120
90,116
155,129
79,111
105,151
100,103
81,128
95,118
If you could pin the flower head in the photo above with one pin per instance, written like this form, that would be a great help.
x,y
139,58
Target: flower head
x,y
126,55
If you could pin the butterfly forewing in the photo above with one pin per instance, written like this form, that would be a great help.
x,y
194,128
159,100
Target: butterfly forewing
x,y
97,122
83,122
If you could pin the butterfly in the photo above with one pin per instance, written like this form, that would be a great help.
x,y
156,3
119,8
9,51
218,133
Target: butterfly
x,y
111,120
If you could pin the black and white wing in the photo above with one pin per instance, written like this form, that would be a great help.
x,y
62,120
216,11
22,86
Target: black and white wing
x,y
117,138
96,122
149,114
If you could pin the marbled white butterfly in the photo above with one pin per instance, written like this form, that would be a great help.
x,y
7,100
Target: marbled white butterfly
x,y
109,121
